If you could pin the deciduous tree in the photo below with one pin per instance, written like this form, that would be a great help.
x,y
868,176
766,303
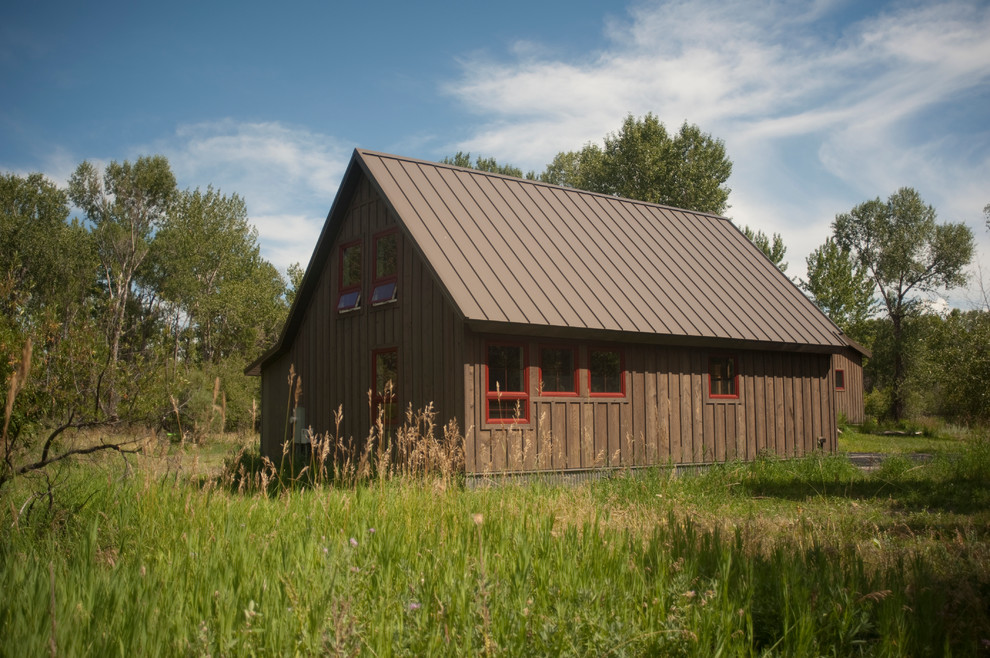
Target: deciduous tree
x,y
907,253
840,286
774,247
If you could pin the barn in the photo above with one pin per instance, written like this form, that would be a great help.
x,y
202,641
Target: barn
x,y
563,330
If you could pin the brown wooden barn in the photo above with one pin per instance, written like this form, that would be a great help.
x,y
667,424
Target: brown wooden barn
x,y
563,330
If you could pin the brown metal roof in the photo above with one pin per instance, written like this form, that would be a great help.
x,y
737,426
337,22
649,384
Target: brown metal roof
x,y
519,252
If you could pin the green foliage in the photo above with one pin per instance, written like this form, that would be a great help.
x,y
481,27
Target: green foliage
x,y
840,286
906,253
773,248
462,159
296,273
642,161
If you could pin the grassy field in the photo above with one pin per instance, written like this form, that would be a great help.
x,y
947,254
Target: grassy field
x,y
170,556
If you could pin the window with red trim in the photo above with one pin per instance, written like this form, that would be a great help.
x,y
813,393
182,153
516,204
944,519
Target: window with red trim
x,y
558,371
840,380
349,287
385,375
606,373
506,390
386,274
723,377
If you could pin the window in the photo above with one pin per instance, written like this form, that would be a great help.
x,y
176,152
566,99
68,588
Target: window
x,y
350,277
385,373
723,377
506,394
558,376
386,268
605,373
840,380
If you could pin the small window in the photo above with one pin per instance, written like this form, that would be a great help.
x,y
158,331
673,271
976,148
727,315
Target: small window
x,y
350,277
386,268
605,373
558,376
840,380
723,377
384,397
506,395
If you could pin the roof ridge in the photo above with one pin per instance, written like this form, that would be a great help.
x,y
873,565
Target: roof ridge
x,y
482,172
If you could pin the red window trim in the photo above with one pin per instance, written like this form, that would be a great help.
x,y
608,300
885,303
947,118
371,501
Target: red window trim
x,y
837,371
522,396
574,362
378,397
341,288
735,378
622,372
392,278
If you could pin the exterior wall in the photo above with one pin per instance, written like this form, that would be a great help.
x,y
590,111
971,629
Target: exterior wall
x,y
332,352
785,405
850,401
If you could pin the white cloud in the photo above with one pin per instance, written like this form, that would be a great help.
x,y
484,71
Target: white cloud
x,y
287,176
817,114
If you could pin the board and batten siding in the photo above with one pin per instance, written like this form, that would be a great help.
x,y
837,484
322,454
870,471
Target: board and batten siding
x,y
666,415
331,352
850,401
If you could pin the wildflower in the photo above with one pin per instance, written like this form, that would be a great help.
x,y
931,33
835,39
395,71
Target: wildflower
x,y
415,606
354,542
478,518
371,531
689,594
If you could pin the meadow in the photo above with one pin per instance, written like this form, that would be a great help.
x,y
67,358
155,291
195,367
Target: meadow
x,y
191,550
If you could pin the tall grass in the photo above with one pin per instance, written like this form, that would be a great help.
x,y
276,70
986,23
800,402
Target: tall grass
x,y
413,566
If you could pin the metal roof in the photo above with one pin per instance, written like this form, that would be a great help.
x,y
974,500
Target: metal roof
x,y
518,252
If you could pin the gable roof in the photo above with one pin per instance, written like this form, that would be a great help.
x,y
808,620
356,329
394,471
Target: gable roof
x,y
513,254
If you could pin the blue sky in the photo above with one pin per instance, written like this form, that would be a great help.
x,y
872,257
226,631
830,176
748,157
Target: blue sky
x,y
822,104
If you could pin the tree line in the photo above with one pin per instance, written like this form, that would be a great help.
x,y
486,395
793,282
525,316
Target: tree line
x,y
145,310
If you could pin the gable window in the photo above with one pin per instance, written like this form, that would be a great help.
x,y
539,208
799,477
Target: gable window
x,y
723,377
506,394
385,375
606,377
558,376
840,380
383,288
349,287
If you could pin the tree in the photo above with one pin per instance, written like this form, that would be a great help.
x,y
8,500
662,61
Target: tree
x,y
774,249
840,286
642,161
296,272
906,253
126,205
462,159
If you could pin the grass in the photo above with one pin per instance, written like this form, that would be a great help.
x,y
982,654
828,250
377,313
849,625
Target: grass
x,y
803,557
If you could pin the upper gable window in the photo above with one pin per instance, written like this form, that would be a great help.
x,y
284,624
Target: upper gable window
x,y
349,297
840,380
385,281
606,374
723,377
558,375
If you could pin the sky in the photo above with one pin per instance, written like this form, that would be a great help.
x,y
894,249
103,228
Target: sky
x,y
822,104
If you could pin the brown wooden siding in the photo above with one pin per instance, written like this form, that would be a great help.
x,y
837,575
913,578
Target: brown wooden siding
x,y
850,401
332,352
784,406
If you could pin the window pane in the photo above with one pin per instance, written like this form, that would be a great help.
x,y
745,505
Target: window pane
x,y
386,256
722,375
383,292
386,369
505,368
606,371
506,409
840,379
348,301
350,274
557,370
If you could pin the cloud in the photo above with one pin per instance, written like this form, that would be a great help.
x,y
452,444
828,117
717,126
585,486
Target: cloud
x,y
819,111
287,176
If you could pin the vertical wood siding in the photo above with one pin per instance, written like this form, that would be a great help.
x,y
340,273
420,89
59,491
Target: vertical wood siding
x,y
785,406
332,352
850,401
